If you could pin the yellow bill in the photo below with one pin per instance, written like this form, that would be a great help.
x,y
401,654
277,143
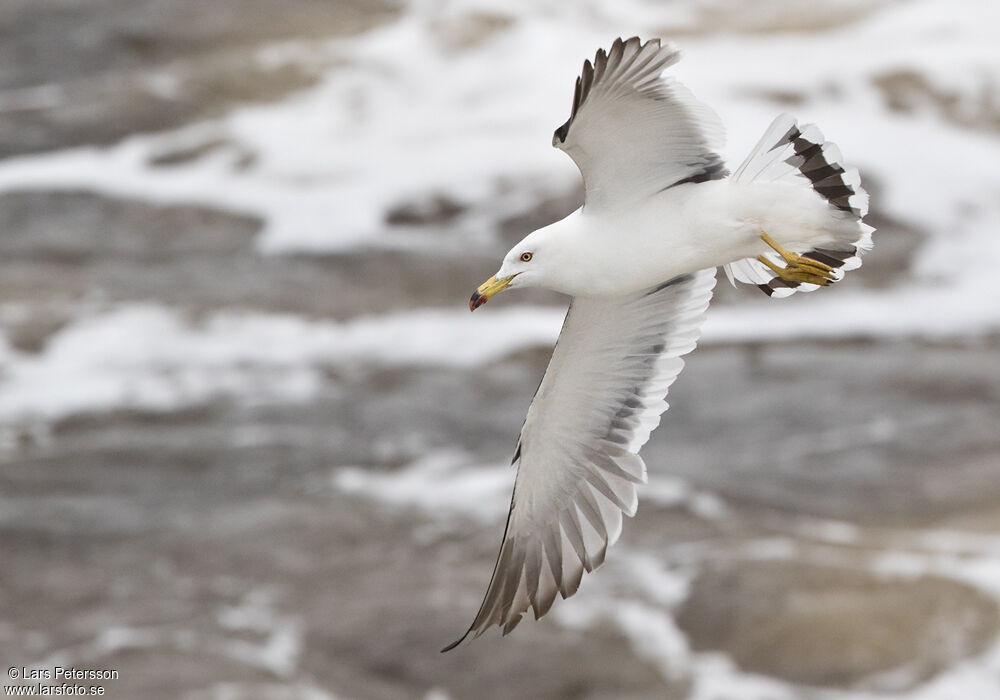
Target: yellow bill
x,y
487,289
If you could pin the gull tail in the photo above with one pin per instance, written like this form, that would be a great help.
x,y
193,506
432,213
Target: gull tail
x,y
788,152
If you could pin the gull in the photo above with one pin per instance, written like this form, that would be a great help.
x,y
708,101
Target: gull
x,y
661,212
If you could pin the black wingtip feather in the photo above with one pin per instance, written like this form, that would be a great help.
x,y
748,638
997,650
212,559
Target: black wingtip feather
x,y
592,73
456,642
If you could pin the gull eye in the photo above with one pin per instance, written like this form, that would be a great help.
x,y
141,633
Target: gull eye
x,y
525,257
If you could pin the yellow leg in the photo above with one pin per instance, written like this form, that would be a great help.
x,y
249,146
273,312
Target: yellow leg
x,y
798,268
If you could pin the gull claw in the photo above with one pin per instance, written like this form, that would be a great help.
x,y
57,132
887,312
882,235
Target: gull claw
x,y
798,268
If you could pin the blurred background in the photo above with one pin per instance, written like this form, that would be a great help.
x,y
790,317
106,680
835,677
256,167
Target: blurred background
x,y
253,444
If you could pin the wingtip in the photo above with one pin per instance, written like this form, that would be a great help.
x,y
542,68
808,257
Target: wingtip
x,y
456,642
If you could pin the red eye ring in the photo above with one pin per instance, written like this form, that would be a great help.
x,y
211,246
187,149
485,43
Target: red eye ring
x,y
525,257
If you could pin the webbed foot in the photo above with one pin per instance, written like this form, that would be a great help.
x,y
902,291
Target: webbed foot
x,y
798,268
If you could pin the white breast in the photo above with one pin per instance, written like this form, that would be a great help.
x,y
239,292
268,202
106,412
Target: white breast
x,y
682,230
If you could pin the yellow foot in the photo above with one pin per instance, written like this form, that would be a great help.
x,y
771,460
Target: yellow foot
x,y
798,268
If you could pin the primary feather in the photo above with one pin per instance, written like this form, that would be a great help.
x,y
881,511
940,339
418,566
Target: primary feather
x,y
632,133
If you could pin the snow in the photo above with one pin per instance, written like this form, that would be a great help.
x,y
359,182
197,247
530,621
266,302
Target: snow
x,y
403,113
148,356
444,483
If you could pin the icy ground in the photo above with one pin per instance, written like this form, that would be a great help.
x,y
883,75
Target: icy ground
x,y
252,443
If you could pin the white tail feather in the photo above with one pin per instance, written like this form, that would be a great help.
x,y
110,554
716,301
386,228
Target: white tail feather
x,y
790,153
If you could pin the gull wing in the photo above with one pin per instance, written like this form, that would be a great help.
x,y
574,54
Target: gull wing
x,y
634,133
577,456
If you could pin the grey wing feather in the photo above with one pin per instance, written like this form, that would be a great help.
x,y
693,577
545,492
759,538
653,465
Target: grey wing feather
x,y
578,463
632,132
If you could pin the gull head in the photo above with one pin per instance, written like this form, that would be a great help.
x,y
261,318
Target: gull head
x,y
530,263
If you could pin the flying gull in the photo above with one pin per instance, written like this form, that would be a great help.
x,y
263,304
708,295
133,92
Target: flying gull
x,y
660,213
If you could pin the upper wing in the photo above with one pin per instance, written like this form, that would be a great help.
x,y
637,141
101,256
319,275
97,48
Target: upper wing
x,y
577,456
633,133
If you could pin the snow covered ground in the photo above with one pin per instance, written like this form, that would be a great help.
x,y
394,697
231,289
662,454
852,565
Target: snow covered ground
x,y
424,137
458,99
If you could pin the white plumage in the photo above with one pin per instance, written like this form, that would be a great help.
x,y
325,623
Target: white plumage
x,y
639,259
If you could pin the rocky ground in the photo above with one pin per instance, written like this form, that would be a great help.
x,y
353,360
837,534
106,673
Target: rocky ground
x,y
806,495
